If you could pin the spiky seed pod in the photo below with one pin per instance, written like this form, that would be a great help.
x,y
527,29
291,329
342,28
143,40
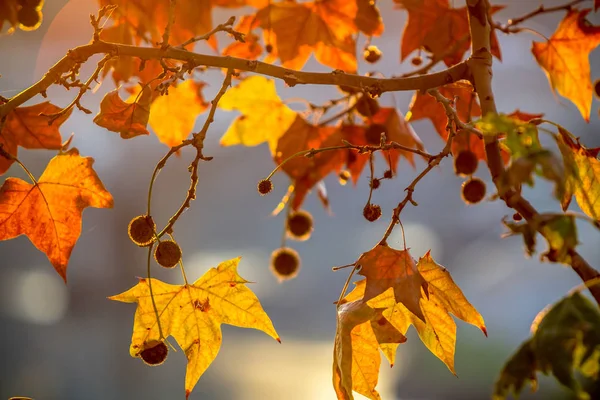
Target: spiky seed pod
x,y
372,54
299,225
141,230
373,134
417,61
367,106
269,48
285,263
388,174
154,353
372,212
517,217
597,88
29,18
465,163
167,254
473,191
375,183
264,186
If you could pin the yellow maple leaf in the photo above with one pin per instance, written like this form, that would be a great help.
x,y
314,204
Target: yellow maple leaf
x,y
361,332
265,118
583,174
193,314
565,59
172,116
436,328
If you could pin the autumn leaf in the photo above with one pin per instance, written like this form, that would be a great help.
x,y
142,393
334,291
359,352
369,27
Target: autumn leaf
x,y
324,28
8,12
128,119
355,162
424,106
250,48
173,115
306,172
49,212
439,29
559,231
194,17
361,332
28,127
386,268
265,118
397,130
436,328
193,314
583,172
566,340
565,59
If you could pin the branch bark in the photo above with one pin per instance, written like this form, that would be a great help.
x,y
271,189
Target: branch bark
x,y
480,64
374,86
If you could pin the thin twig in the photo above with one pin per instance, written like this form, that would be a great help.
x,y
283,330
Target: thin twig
x,y
511,25
170,22
226,27
433,162
198,143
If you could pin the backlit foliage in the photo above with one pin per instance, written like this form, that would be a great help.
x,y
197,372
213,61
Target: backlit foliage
x,y
148,56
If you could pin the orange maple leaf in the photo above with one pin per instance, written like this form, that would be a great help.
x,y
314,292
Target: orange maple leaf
x,y
49,212
28,128
386,268
565,59
437,329
308,171
128,119
398,130
438,28
193,18
322,27
355,162
125,67
424,106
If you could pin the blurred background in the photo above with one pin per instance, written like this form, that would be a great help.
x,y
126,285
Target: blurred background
x,y
70,342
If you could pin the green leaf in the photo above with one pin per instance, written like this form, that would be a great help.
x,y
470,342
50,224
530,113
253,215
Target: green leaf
x,y
566,340
583,174
520,137
559,230
517,372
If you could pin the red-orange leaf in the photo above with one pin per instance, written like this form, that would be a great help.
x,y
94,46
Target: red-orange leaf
x,y
128,119
439,29
386,268
193,18
26,127
565,59
323,27
399,131
49,213
304,171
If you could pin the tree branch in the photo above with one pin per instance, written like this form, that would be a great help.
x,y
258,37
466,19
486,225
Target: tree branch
x,y
374,86
480,64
